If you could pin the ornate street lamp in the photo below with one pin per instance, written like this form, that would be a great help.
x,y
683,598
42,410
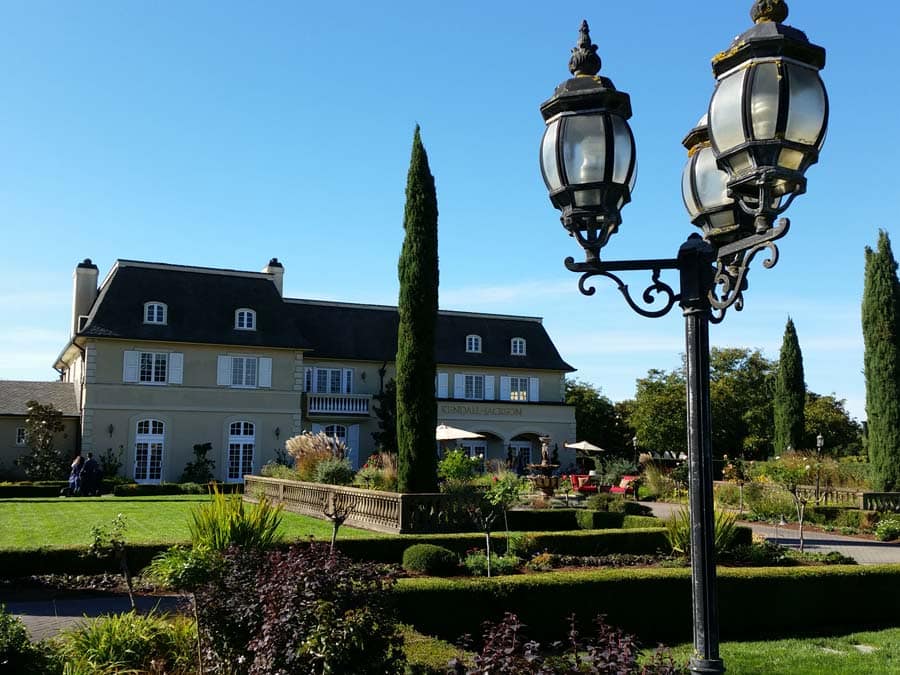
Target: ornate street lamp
x,y
767,121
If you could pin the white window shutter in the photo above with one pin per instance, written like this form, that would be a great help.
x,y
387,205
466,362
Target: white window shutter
x,y
459,386
307,379
353,444
534,389
176,367
504,388
265,371
348,381
488,387
443,385
223,371
315,380
130,366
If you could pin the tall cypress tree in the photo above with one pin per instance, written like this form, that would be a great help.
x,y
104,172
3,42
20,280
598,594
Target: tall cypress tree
x,y
881,337
790,393
418,306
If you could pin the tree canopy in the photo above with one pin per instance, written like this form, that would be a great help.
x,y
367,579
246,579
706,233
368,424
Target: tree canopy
x,y
790,393
597,418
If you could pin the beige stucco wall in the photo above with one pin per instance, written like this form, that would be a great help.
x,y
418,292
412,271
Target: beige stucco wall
x,y
66,441
194,412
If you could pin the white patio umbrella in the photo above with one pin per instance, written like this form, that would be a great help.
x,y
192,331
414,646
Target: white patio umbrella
x,y
446,433
584,446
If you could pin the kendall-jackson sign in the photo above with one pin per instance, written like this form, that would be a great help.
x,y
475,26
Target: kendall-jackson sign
x,y
481,410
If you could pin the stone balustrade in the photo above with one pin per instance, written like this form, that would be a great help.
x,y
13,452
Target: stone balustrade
x,y
369,509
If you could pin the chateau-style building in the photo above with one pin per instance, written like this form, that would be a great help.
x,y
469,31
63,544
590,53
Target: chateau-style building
x,y
162,357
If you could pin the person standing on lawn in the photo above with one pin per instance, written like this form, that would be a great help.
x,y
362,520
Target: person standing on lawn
x,y
75,476
90,477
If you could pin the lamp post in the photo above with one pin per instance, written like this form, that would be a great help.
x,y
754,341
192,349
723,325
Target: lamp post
x,y
820,443
764,127
634,443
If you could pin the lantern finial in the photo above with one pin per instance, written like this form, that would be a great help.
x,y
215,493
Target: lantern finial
x,y
775,11
585,60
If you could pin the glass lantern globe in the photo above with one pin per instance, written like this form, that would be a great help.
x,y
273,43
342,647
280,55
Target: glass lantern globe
x,y
704,188
769,113
587,152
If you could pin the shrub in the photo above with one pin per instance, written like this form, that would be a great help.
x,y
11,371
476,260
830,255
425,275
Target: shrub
x,y
605,501
131,642
299,610
767,503
141,490
544,520
476,563
456,467
658,483
637,522
379,472
678,531
888,529
201,469
429,559
17,653
728,494
613,470
276,469
608,651
225,521
308,450
334,471
183,568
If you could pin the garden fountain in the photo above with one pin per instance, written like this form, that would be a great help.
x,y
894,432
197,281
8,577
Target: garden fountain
x,y
541,475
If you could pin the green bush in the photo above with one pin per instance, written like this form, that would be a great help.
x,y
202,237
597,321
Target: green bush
x,y
678,531
275,469
334,471
888,529
728,494
614,503
131,642
201,469
542,520
768,502
43,488
599,520
752,601
17,653
476,564
225,521
183,568
456,467
429,559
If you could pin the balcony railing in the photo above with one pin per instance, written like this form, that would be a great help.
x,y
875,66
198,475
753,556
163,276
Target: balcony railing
x,y
338,404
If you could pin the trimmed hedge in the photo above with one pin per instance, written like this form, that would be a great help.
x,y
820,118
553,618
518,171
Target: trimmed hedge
x,y
632,522
74,560
600,520
655,604
42,488
145,490
567,520
581,542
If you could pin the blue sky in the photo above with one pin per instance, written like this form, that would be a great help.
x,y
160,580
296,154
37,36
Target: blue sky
x,y
223,134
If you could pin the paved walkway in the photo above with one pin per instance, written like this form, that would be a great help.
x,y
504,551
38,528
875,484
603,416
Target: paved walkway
x,y
864,551
46,613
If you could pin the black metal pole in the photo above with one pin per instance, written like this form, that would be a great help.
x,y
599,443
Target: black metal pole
x,y
695,264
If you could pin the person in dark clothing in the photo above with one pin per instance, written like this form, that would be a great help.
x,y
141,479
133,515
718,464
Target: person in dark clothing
x,y
90,477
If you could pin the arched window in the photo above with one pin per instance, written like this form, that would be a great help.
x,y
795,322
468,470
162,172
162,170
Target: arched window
x,y
517,346
241,443
245,319
155,312
149,442
473,344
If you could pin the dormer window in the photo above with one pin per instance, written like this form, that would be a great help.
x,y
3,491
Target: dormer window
x,y
473,344
155,312
517,346
245,319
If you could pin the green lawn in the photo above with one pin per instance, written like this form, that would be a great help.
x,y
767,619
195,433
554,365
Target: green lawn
x,y
838,655
59,522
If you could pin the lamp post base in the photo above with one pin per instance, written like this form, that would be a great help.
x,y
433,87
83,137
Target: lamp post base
x,y
707,666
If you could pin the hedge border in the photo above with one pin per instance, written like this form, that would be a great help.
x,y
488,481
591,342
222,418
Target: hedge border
x,y
72,560
655,604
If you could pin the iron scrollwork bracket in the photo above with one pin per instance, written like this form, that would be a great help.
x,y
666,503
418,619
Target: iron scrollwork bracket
x,y
732,264
656,290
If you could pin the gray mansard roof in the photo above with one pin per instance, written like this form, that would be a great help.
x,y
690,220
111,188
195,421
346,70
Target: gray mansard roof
x,y
201,304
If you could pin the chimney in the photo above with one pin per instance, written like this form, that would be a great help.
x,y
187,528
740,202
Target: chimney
x,y
276,269
84,292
